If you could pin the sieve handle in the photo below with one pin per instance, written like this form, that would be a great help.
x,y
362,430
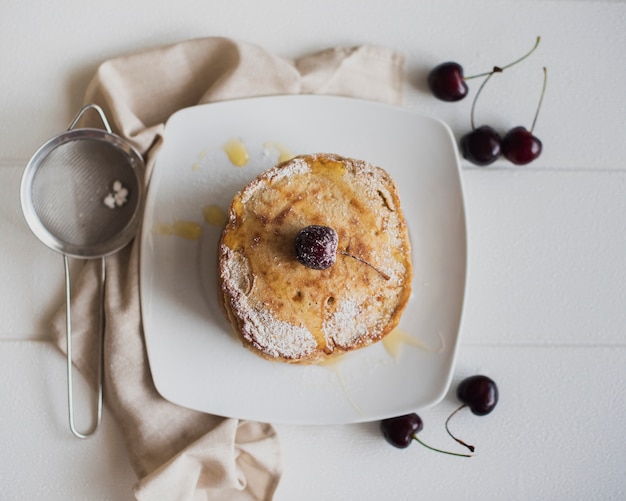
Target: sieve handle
x,y
97,109
68,341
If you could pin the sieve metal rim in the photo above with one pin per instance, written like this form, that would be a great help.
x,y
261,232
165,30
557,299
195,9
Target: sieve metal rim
x,y
124,236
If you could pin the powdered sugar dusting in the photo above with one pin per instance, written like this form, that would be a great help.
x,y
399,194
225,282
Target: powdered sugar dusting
x,y
238,274
277,338
352,322
294,167
261,328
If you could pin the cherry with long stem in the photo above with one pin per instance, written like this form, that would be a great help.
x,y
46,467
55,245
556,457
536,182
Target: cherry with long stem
x,y
480,394
519,145
401,430
446,80
316,248
481,146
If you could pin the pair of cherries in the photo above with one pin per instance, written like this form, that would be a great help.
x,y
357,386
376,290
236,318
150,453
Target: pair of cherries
x,y
479,393
483,145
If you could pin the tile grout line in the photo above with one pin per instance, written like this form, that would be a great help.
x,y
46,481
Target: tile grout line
x,y
532,345
12,162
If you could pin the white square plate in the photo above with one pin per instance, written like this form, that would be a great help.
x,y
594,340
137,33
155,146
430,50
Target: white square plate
x,y
195,359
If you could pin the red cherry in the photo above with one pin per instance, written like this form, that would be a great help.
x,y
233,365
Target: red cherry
x,y
520,147
446,82
480,394
481,146
400,431
316,247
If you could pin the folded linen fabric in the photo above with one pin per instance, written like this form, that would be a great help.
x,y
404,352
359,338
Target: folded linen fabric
x,y
179,453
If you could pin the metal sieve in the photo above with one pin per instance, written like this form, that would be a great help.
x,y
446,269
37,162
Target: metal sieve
x,y
81,195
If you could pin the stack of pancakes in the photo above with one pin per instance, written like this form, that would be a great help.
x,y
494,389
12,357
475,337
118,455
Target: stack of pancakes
x,y
285,311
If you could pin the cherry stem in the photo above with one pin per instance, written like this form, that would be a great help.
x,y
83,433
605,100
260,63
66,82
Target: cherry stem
x,y
439,450
543,91
489,75
470,447
382,273
499,69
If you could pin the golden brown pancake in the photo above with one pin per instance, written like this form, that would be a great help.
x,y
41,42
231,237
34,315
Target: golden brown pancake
x,y
281,309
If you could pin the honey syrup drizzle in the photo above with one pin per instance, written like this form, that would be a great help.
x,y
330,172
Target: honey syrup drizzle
x,y
397,338
284,153
214,215
237,152
189,230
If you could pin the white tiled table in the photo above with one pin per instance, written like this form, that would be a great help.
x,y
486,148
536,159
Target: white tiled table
x,y
546,303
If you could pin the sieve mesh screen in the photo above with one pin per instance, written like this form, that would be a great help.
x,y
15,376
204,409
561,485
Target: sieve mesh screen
x,y
70,186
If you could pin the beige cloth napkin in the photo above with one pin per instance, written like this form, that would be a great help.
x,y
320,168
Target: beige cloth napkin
x,y
178,453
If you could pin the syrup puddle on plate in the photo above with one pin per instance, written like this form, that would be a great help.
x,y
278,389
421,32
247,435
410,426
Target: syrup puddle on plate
x,y
284,153
237,152
188,230
214,215
398,338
